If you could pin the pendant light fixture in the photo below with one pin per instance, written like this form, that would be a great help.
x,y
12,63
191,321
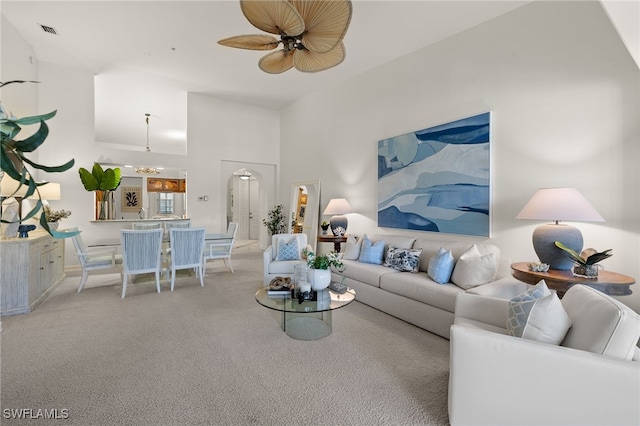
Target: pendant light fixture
x,y
147,120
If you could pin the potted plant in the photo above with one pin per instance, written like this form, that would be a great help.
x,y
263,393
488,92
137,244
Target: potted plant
x,y
53,217
276,223
325,227
12,153
319,268
586,261
102,182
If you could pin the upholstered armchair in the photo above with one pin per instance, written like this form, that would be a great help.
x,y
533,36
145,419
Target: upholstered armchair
x,y
285,251
591,378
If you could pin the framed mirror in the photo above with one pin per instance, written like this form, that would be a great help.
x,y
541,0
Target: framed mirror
x,y
305,210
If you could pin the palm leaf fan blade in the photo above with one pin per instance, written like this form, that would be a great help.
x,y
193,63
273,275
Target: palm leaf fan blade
x,y
326,22
273,16
308,61
251,42
276,62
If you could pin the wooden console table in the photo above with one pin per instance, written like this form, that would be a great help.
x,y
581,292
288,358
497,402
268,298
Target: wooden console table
x,y
337,241
608,282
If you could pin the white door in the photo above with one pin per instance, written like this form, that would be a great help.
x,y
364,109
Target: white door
x,y
246,207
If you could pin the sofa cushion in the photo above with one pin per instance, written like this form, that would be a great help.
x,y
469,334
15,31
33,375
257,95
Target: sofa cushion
x,y
398,241
431,247
538,315
441,266
371,252
473,268
352,249
288,250
601,324
404,260
421,288
285,267
366,273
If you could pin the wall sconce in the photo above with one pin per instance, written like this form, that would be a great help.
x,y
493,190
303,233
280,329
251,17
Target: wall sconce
x,y
558,204
338,207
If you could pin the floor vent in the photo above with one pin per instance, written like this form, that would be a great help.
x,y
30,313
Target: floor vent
x,y
48,29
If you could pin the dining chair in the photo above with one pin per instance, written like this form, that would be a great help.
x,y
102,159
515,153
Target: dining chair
x,y
140,226
92,259
141,253
221,248
173,224
187,246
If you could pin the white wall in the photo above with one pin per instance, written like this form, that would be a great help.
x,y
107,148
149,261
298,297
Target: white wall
x,y
564,93
223,137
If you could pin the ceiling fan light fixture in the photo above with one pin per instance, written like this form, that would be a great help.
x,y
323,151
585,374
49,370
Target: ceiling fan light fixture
x,y
311,29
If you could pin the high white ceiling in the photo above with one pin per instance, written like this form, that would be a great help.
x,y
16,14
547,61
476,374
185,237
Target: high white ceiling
x,y
146,55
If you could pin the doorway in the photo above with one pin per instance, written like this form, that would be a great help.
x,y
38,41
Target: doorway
x,y
243,207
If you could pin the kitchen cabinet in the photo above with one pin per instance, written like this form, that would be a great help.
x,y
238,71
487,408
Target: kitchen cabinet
x,y
166,185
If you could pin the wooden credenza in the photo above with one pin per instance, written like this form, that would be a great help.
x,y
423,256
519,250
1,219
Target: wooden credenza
x,y
31,268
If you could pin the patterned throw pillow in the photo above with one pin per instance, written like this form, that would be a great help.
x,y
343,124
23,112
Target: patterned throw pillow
x,y
538,315
441,266
288,250
405,260
370,252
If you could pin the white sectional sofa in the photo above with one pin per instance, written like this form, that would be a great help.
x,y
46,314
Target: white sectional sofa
x,y
415,297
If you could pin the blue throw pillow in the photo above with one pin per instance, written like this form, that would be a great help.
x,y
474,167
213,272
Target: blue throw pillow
x,y
288,251
441,266
371,252
404,260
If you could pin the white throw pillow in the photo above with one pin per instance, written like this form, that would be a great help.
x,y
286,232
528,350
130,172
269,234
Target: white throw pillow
x,y
473,269
538,315
352,250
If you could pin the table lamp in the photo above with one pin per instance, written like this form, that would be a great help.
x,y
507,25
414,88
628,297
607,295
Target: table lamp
x,y
338,207
558,204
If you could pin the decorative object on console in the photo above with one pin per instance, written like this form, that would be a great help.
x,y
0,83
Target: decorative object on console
x,y
437,179
102,182
587,261
325,227
338,207
23,230
53,217
311,33
538,267
558,204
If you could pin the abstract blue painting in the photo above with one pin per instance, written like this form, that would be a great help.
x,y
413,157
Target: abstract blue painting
x,y
437,179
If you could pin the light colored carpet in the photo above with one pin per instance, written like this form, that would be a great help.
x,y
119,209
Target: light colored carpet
x,y
212,355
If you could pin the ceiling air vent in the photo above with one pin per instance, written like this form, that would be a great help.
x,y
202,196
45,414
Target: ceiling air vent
x,y
48,29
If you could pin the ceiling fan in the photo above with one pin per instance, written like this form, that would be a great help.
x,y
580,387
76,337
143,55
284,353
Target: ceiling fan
x,y
311,33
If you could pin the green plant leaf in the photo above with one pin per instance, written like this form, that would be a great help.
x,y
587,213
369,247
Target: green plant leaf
x,y
31,143
51,169
88,179
572,253
36,118
597,257
17,81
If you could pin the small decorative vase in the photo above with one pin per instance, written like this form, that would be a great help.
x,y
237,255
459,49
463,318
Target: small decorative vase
x,y
589,271
103,210
53,225
319,278
325,229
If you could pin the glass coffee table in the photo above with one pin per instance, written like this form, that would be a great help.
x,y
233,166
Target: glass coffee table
x,y
309,320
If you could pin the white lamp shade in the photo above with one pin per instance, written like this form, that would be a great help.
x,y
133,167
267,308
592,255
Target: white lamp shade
x,y
48,191
9,187
559,204
338,206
